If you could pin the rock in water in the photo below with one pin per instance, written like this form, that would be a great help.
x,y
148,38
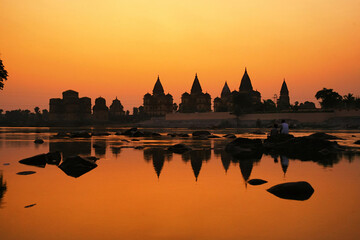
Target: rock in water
x,y
230,135
292,190
245,148
53,158
324,136
77,166
179,148
29,206
201,133
41,159
39,141
37,161
357,142
25,173
256,181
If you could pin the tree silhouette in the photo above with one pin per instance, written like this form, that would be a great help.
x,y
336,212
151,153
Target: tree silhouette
x,y
3,75
349,100
329,98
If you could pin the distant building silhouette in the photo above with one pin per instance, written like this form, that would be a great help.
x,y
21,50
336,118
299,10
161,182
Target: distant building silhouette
x,y
158,104
247,89
70,109
196,101
283,103
244,100
116,111
224,103
100,110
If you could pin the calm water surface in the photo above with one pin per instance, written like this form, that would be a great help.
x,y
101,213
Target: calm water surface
x,y
151,193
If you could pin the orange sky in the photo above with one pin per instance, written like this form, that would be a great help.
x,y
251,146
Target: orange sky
x,y
114,48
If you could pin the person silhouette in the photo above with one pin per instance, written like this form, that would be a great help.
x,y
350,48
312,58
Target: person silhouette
x,y
284,127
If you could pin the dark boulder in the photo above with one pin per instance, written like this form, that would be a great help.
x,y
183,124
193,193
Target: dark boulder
x,y
279,138
179,148
303,148
137,134
201,133
256,181
53,158
39,141
155,135
130,131
324,136
25,173
80,134
42,159
171,134
245,148
77,166
31,205
230,135
357,142
100,134
184,135
213,136
292,190
258,132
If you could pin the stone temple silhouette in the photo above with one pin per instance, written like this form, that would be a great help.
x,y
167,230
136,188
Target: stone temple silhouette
x,y
196,101
158,104
283,103
70,108
245,98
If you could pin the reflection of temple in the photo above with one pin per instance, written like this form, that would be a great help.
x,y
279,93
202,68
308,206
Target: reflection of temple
x,y
116,150
196,101
100,110
158,156
2,188
246,166
225,102
196,159
72,148
70,108
196,164
283,102
225,160
100,147
158,104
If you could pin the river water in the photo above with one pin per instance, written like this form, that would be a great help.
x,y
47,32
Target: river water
x,y
151,193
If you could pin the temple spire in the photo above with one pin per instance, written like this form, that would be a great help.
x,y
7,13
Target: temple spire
x,y
225,91
245,85
284,89
158,88
196,87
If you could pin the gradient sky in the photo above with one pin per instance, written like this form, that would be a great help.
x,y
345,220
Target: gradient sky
x,y
117,48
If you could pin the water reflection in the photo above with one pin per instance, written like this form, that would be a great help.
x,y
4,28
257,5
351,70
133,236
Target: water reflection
x,y
100,147
2,188
158,157
284,161
71,148
115,150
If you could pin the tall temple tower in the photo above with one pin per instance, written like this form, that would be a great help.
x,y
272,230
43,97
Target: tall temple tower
x,y
196,101
224,102
283,103
158,104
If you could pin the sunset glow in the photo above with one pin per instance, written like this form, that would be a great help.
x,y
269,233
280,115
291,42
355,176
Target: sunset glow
x,y
117,48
